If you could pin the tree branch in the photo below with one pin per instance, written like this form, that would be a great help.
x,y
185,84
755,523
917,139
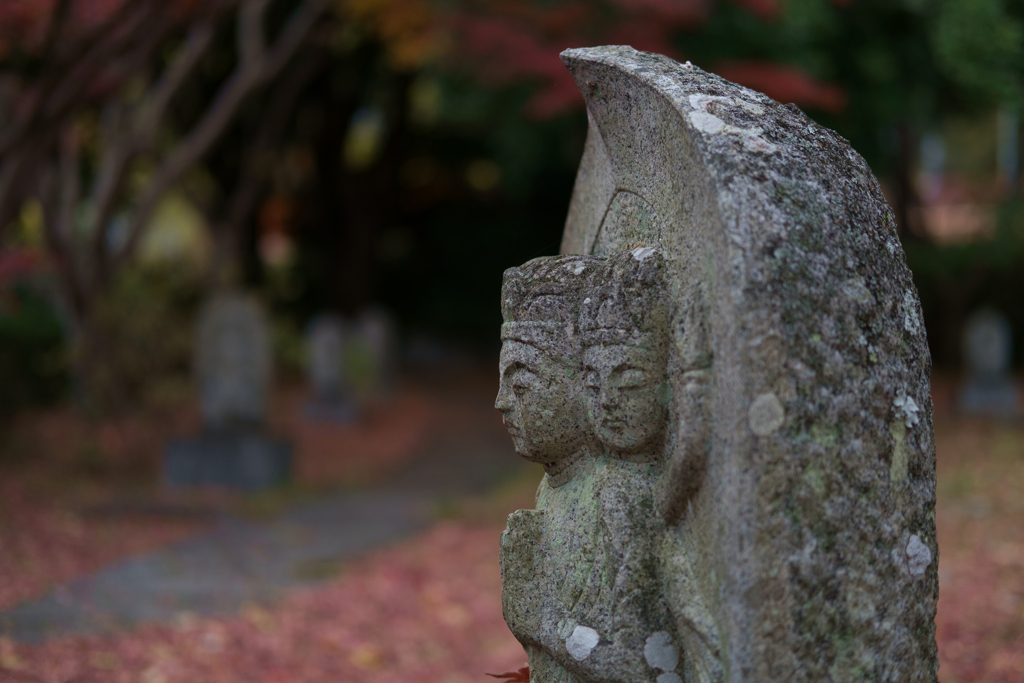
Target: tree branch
x,y
251,42
69,185
45,103
59,248
246,78
258,159
153,109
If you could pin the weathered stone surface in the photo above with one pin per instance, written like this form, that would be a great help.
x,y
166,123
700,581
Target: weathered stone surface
x,y
773,519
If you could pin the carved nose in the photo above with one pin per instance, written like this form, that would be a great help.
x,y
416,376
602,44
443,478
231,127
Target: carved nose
x,y
501,402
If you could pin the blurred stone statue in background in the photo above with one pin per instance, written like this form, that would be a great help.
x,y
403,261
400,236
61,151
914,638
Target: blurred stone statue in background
x,y
989,389
350,363
326,339
233,370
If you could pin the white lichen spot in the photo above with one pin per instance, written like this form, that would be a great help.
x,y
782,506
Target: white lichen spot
x,y
755,109
660,652
688,65
642,253
755,143
906,406
579,268
919,556
911,323
670,677
702,101
706,123
766,414
582,642
587,300
856,289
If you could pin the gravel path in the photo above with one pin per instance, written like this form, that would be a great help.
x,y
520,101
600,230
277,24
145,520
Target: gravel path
x,y
242,562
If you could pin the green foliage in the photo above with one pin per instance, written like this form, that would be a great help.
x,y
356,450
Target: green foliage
x,y
141,340
33,369
979,46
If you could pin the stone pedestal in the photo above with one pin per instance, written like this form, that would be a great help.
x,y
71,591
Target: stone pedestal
x,y
245,460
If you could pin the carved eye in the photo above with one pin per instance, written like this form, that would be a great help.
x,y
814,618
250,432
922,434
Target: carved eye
x,y
522,382
632,378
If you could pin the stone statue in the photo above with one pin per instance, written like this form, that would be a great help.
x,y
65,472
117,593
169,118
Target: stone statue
x,y
725,377
584,392
233,367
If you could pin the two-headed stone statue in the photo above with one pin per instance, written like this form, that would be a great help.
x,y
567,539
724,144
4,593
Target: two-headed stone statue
x,y
726,379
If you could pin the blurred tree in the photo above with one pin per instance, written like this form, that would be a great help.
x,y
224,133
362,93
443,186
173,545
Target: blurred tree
x,y
374,147
86,89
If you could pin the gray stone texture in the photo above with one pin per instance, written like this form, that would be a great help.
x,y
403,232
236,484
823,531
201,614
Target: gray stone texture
x,y
774,519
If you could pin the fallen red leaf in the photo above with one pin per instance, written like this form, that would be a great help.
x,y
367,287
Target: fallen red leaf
x,y
521,676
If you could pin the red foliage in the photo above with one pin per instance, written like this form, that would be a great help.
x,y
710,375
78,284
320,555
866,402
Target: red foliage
x,y
785,84
766,10
522,41
508,51
15,263
44,544
428,610
520,676
676,12
24,23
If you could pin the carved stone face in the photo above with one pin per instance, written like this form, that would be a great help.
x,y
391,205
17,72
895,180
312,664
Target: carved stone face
x,y
627,395
539,403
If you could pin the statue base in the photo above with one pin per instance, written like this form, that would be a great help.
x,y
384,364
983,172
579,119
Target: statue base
x,y
993,396
245,460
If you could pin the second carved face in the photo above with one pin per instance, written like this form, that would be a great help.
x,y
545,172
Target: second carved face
x,y
627,395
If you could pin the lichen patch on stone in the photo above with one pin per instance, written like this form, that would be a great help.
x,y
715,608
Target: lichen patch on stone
x,y
582,642
706,123
766,414
641,253
906,406
911,323
660,652
900,455
919,556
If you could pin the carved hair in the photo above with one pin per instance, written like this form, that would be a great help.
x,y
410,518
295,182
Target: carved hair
x,y
627,301
540,301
